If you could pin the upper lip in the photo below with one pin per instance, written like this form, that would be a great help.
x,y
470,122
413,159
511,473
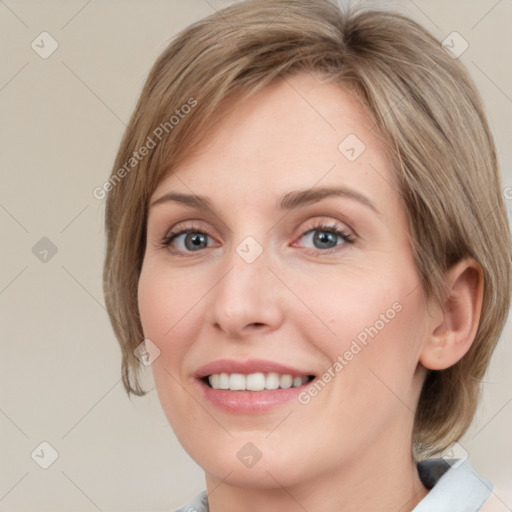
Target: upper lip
x,y
247,367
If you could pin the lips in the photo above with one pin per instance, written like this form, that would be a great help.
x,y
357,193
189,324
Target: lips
x,y
252,386
247,367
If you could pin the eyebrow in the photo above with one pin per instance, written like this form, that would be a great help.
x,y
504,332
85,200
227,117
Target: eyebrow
x,y
289,201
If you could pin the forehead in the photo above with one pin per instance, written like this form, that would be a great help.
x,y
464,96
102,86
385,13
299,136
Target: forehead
x,y
297,133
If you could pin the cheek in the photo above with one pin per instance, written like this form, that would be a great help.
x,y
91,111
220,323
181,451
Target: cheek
x,y
358,308
375,329
154,307
166,304
163,306
167,311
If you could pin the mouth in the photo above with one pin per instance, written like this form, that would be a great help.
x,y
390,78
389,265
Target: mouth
x,y
255,381
250,387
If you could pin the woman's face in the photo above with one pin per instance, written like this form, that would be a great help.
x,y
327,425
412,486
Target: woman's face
x,y
279,280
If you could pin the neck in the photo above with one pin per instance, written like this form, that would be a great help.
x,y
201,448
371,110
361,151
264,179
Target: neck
x,y
383,479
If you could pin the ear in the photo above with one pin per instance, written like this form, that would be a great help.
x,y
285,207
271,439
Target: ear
x,y
452,328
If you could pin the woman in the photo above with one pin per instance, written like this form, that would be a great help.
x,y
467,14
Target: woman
x,y
300,222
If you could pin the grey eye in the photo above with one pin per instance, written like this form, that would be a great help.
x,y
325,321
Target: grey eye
x,y
192,241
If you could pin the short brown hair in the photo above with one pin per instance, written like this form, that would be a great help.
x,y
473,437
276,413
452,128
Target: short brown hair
x,y
424,105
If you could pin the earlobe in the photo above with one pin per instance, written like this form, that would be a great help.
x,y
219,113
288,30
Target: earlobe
x,y
452,329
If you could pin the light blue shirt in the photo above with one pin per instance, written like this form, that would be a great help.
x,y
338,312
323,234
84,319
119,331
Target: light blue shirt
x,y
454,486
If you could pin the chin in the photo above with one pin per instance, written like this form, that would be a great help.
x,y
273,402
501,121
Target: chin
x,y
251,461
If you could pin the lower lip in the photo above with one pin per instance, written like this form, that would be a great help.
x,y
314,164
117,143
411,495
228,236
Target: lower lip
x,y
250,402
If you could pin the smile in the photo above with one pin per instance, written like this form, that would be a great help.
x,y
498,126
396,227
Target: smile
x,y
255,381
252,386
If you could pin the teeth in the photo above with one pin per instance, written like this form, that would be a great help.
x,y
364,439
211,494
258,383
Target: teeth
x,y
214,381
286,381
254,381
236,382
297,381
223,381
272,381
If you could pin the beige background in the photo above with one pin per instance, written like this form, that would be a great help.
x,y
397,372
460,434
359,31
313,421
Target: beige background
x,y
62,120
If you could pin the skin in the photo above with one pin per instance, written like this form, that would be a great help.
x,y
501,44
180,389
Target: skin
x,y
350,448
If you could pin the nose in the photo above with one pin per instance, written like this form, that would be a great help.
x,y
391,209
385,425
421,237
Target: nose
x,y
249,298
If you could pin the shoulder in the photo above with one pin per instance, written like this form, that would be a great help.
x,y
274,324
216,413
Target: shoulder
x,y
455,486
198,504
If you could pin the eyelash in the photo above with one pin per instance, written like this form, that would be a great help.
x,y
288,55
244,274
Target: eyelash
x,y
347,238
